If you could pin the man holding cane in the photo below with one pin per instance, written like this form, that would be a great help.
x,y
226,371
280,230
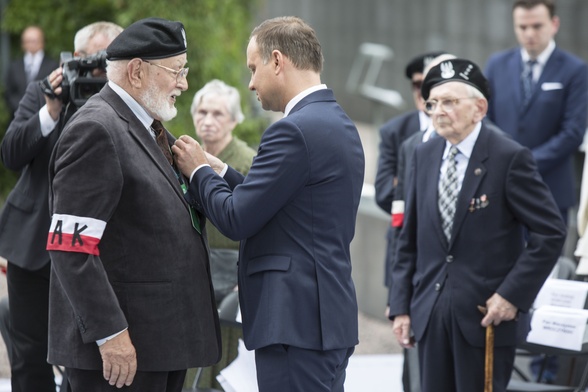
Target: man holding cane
x,y
481,229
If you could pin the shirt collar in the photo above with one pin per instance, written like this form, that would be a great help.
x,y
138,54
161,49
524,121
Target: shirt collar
x,y
32,58
543,57
301,95
466,146
137,109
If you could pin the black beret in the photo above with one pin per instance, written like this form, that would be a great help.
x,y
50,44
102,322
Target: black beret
x,y
418,64
149,39
455,70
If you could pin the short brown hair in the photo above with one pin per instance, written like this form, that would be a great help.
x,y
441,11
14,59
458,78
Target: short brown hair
x,y
528,4
294,38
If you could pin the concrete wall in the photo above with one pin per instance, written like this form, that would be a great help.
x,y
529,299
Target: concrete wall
x,y
367,254
467,28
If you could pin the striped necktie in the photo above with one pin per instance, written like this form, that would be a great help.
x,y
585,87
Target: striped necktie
x,y
448,192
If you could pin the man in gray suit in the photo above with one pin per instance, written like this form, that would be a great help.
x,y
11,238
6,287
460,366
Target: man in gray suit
x,y
131,301
25,218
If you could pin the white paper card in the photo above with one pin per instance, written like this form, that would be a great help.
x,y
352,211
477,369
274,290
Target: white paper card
x,y
240,375
564,293
559,327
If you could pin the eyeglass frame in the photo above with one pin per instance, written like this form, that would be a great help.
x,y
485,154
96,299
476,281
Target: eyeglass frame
x,y
453,101
179,73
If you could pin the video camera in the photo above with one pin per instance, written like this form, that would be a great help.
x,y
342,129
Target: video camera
x,y
78,83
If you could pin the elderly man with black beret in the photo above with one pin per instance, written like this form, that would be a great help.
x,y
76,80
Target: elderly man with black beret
x,y
131,300
480,229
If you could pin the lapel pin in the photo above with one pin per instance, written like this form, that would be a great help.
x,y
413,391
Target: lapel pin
x,y
478,171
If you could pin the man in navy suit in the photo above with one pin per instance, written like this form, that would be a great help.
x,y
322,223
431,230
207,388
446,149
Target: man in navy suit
x,y
463,242
294,213
34,65
551,118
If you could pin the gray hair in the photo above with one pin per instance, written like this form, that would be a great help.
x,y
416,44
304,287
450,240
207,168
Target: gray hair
x,y
116,70
85,34
220,88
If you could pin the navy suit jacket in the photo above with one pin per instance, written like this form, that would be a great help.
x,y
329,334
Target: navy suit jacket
x,y
487,251
553,124
392,135
295,214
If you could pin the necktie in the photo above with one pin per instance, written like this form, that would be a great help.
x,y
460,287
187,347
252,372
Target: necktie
x,y
448,193
29,70
527,80
161,139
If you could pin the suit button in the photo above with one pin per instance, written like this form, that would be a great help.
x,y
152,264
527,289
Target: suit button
x,y
449,259
437,286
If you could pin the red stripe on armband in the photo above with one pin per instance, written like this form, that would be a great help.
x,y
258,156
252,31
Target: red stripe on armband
x,y
397,213
70,233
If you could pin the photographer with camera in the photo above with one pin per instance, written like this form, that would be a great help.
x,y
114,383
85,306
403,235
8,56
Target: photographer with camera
x,y
25,219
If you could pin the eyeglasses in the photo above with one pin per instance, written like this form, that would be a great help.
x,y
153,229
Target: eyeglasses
x,y
447,104
181,73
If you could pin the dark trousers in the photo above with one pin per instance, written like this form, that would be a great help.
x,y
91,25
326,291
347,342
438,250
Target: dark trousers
x,y
93,381
28,297
449,363
291,369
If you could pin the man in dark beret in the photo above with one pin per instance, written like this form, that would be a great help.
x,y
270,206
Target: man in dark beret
x,y
463,244
131,299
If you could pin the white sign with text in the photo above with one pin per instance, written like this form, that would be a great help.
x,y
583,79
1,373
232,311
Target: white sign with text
x,y
564,293
559,327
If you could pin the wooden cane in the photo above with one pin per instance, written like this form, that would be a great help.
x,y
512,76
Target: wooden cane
x,y
489,357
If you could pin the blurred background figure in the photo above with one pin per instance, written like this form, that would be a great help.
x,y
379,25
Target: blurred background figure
x,y
392,135
540,96
34,65
216,111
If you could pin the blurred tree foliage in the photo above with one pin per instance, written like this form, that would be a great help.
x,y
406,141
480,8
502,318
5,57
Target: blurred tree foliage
x,y
217,33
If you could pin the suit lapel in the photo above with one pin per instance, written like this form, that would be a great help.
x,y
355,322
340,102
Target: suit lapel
x,y
431,166
474,174
144,140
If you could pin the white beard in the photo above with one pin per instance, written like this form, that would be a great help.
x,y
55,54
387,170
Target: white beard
x,y
156,103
